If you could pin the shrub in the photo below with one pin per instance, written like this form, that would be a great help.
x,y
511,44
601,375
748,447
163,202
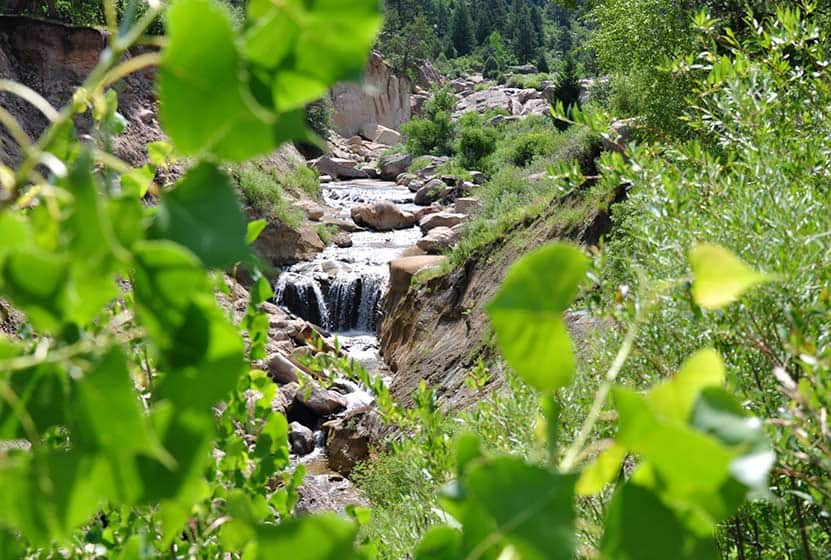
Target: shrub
x,y
319,116
529,146
476,144
491,68
430,136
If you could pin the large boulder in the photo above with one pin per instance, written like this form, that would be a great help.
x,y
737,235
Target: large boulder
x,y
403,269
281,245
311,209
380,134
524,69
390,167
341,168
348,439
320,401
440,219
382,98
438,240
282,370
467,205
382,216
433,191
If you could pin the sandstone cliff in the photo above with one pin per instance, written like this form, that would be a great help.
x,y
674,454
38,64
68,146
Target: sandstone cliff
x,y
383,98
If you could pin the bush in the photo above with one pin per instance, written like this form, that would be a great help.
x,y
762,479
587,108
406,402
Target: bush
x,y
491,68
430,136
529,146
476,144
319,116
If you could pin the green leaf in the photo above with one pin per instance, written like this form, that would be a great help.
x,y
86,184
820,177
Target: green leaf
x,y
293,90
640,526
602,472
321,537
531,508
440,543
527,315
675,397
204,105
203,214
35,281
158,153
720,277
253,230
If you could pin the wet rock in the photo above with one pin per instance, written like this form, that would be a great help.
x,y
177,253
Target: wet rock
x,y
339,167
301,438
325,179
438,240
320,401
467,205
414,251
440,219
390,167
415,184
348,439
327,493
382,216
342,240
433,191
343,225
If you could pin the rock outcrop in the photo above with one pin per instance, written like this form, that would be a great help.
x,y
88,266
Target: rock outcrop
x,y
383,98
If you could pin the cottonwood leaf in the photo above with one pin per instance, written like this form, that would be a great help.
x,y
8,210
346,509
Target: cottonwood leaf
x,y
720,277
527,315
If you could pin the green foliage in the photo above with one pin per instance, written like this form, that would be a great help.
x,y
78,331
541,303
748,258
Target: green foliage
x,y
319,116
111,396
302,180
476,141
263,193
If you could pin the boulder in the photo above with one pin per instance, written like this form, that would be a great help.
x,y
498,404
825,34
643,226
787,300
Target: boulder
x,y
466,205
433,191
391,166
282,370
404,179
348,439
301,438
320,401
421,212
414,251
417,102
478,177
339,167
524,69
342,240
382,216
343,225
440,219
312,210
403,269
415,184
438,240
380,134
325,179
281,245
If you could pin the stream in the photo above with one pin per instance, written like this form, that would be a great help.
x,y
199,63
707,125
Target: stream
x,y
341,290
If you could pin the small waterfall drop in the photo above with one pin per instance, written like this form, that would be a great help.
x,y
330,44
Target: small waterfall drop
x,y
302,296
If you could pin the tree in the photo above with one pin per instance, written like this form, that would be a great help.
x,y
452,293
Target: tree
x,y
461,29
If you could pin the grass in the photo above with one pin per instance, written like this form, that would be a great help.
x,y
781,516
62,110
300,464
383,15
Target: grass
x,y
261,192
420,163
531,81
302,180
403,483
326,232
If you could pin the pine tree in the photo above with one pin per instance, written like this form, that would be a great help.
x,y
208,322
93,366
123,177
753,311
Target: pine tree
x,y
461,29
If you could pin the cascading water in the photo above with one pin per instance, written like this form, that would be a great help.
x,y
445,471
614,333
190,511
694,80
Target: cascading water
x,y
341,288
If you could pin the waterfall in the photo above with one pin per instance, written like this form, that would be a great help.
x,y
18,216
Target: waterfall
x,y
302,296
353,303
350,304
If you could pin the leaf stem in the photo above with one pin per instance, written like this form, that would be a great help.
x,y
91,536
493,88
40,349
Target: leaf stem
x,y
575,450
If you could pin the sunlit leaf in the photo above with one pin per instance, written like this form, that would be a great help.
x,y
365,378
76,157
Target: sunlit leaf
x,y
720,277
527,315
